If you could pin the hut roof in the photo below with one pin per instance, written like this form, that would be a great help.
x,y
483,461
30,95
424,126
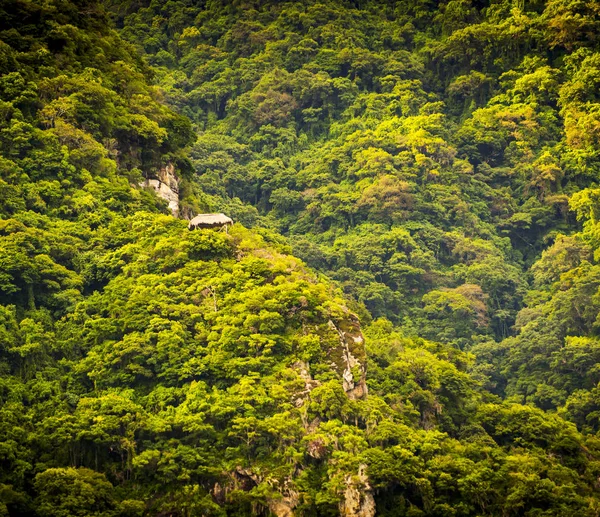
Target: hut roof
x,y
210,220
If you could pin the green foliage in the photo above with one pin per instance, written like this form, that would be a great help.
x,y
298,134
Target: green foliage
x,y
457,122
67,492
435,162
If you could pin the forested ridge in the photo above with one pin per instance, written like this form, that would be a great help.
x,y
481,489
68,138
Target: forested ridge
x,y
403,320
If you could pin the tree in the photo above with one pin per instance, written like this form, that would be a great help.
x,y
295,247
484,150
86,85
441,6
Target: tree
x,y
70,492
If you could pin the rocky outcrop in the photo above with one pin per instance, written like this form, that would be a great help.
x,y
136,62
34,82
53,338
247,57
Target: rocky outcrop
x,y
245,479
341,336
284,506
303,370
349,358
166,186
358,498
345,344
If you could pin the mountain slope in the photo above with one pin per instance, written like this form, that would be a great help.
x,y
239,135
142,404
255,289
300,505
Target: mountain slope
x,y
458,124
146,369
421,155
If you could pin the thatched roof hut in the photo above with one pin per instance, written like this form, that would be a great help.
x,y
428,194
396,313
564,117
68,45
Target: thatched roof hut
x,y
210,221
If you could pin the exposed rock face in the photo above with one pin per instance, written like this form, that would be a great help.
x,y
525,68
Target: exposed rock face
x,y
246,479
166,186
219,494
358,496
343,339
303,370
349,357
284,507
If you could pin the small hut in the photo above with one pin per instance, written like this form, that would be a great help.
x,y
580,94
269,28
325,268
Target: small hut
x,y
219,221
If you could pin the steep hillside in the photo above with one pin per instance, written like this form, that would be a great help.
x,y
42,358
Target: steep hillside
x,y
420,155
445,140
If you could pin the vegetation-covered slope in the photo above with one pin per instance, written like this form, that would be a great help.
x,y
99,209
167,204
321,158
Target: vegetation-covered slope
x,y
421,154
445,140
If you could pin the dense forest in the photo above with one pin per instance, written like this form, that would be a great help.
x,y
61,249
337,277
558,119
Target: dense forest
x,y
404,319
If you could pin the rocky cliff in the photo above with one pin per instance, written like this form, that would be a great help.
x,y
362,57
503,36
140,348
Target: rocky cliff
x,y
166,186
